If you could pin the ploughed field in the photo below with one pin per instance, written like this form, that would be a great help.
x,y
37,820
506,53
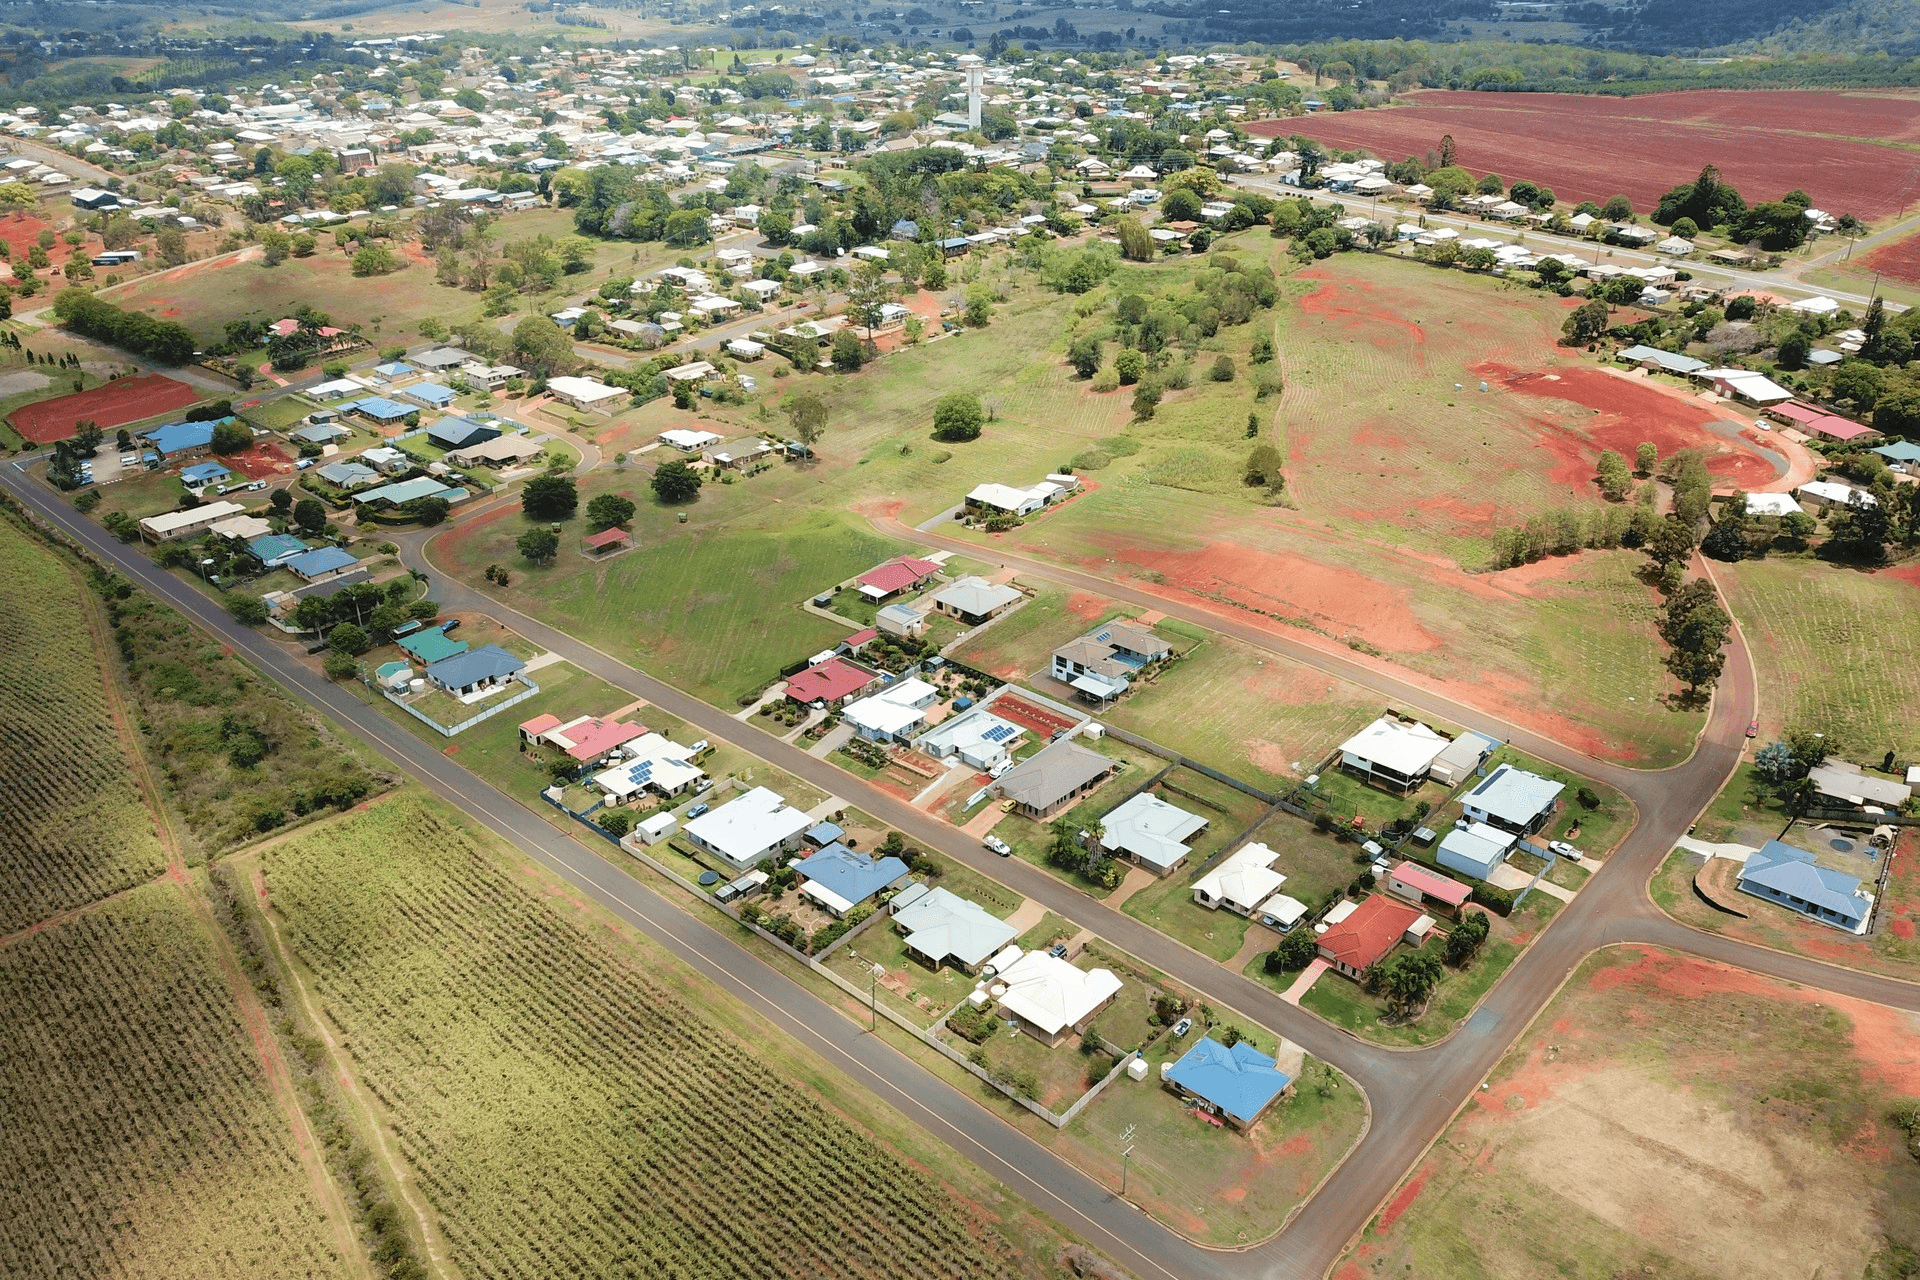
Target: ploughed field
x,y
1833,146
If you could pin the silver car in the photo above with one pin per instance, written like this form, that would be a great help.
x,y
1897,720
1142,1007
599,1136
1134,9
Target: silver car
x,y
1565,850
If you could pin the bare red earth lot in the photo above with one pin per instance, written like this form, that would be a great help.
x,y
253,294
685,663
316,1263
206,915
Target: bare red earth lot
x,y
1899,259
113,405
1831,145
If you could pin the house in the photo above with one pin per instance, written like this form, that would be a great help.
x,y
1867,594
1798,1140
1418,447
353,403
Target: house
x,y
829,683
688,441
321,563
982,740
583,737
839,879
319,432
895,714
650,762
386,459
1241,882
1236,1083
1050,999
202,474
1048,781
1822,494
1393,754
382,410
243,528
697,371
899,620
1149,831
456,432
346,475
275,549
169,526
890,579
1843,786
1514,799
430,646
404,491
490,377
1474,850
1900,453
606,540
1831,426
939,928
1367,933
1789,876
1101,664
583,393
974,600
430,394
1653,357
1772,504
748,829
746,349
498,452
659,825
1006,500
1423,888
820,835
1463,756
442,359
179,439
1747,387
474,672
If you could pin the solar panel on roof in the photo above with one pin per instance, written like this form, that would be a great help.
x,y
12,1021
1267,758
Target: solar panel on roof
x,y
999,733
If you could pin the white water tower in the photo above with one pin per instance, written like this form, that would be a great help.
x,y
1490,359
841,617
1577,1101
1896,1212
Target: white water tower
x,y
976,71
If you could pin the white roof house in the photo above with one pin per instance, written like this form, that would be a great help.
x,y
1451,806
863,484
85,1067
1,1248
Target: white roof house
x,y
1474,850
1772,504
756,825
172,524
896,712
1051,998
941,926
1393,751
653,762
689,441
1150,831
585,393
1241,882
981,739
1513,798
1827,493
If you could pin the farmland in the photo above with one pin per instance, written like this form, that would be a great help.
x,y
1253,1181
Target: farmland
x,y
141,1137
113,405
1831,145
574,1106
1830,644
78,829
1653,1087
1899,259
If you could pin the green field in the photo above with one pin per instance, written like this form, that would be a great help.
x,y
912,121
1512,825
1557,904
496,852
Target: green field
x,y
1832,646
571,1104
142,1136
78,827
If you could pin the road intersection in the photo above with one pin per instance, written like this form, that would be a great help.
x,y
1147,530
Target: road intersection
x,y
1412,1093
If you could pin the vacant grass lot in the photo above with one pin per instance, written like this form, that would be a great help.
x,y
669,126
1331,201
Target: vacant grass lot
x,y
77,826
574,1101
1652,1085
1830,644
142,1138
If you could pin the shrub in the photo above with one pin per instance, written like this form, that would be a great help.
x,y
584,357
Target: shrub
x,y
1493,898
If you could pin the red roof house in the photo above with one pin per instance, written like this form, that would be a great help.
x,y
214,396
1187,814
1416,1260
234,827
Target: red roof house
x,y
859,639
583,737
1367,934
1416,884
895,576
1834,427
830,682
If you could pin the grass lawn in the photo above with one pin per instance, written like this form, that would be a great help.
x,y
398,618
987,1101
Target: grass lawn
x,y
1247,713
1022,642
1317,864
1349,797
280,413
1168,906
1747,811
907,985
146,493
1651,1078
1827,642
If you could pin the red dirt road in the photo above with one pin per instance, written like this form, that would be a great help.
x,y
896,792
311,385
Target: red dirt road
x,y
1828,144
113,405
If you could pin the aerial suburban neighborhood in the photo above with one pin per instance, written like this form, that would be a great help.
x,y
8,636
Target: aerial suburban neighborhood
x,y
846,641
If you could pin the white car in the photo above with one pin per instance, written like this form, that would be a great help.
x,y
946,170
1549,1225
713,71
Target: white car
x,y
998,845
1565,850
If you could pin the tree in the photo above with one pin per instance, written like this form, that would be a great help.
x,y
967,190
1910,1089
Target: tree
x,y
281,501
1181,205
1698,671
1793,351
1467,937
685,228
1645,457
675,481
1264,466
1222,370
1135,243
1588,322
1146,399
309,515
538,546
1741,308
349,637
247,609
1130,366
542,346
1616,482
232,436
1670,542
376,260
615,822
1897,412
340,666
847,351
958,416
1295,950
1084,355
979,305
549,497
428,511
607,510
1406,979
1617,209
868,293
86,438
807,416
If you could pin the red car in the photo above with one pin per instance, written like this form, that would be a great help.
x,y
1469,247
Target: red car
x,y
1753,728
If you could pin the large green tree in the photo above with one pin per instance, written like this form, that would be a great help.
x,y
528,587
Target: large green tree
x,y
549,497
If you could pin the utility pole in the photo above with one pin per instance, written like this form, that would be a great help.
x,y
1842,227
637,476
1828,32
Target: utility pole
x,y
873,998
1126,1156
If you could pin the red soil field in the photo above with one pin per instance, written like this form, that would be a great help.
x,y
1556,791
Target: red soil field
x,y
1589,148
113,405
1027,716
1630,411
1899,259
261,462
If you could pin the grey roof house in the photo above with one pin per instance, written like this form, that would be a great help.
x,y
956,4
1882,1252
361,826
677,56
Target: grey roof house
x,y
943,928
974,600
1149,831
1101,664
1789,876
1845,786
474,670
1513,799
1043,784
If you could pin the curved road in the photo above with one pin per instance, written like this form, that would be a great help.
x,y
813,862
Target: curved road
x,y
1413,1093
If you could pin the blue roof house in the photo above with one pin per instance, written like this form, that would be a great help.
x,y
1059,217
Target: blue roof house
x,y
175,438
474,672
1900,451
839,879
1236,1083
431,646
1513,799
393,369
383,410
823,835
431,394
1789,876
201,474
320,563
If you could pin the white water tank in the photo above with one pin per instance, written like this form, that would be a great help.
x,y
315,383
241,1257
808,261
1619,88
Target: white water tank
x,y
998,989
1165,1069
417,685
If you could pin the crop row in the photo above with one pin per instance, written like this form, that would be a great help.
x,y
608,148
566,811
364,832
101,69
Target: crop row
x,y
140,1137
76,826
566,1112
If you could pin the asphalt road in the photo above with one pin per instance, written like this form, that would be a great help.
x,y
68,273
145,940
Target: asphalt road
x,y
1413,1093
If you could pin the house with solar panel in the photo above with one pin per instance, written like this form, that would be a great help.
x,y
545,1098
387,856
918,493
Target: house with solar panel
x,y
1100,665
650,764
981,739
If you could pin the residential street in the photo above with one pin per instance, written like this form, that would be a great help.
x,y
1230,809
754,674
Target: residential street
x,y
1412,1093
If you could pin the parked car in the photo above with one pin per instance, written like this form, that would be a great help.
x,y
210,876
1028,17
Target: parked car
x,y
697,810
303,464
1564,849
1058,951
998,845
1753,728
449,626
